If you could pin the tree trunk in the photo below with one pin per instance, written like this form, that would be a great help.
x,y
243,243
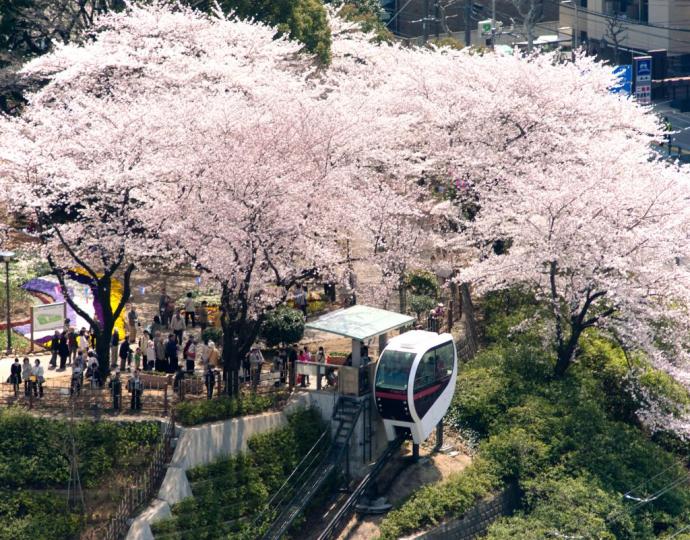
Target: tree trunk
x,y
566,351
232,361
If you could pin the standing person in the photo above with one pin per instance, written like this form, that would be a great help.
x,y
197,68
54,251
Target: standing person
x,y
115,385
209,381
305,356
177,382
283,365
137,358
159,347
114,346
83,341
246,368
54,350
72,344
144,343
203,316
150,356
16,376
26,375
37,378
292,362
202,352
256,360
77,375
171,354
189,310
124,353
177,325
321,359
63,350
213,355
132,320
136,388
189,355
163,302
156,326
301,299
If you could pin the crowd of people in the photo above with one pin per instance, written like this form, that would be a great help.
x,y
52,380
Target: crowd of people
x,y
170,344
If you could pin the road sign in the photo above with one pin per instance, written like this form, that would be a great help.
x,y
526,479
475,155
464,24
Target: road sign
x,y
485,27
624,75
642,69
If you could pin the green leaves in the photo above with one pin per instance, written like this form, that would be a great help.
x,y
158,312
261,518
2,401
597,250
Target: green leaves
x,y
282,325
192,413
229,493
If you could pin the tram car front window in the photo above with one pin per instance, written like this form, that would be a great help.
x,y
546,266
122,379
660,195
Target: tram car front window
x,y
394,370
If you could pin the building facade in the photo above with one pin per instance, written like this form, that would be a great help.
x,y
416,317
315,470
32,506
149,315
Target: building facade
x,y
636,26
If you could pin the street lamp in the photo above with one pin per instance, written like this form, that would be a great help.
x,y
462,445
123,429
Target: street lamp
x,y
576,24
6,257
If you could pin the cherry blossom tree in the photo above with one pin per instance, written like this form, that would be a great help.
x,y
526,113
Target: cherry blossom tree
x,y
555,184
114,127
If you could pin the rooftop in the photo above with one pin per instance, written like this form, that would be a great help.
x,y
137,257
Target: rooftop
x,y
360,322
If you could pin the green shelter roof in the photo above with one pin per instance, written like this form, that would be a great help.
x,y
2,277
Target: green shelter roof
x,y
360,322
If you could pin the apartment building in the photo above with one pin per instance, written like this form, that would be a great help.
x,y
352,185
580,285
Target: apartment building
x,y
641,25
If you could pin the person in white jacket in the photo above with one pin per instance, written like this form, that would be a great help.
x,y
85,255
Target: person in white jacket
x,y
178,326
37,378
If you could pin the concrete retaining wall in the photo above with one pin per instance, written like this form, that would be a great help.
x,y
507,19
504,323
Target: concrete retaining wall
x,y
202,445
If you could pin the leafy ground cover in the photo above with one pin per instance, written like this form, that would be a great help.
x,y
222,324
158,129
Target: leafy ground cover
x,y
574,444
192,413
230,493
35,469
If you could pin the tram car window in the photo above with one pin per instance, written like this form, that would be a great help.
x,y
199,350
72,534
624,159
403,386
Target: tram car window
x,y
415,382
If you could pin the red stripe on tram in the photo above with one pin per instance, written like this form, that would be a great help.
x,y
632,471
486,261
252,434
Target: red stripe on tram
x,y
391,395
427,391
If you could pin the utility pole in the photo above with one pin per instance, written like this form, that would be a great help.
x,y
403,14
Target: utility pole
x,y
493,24
468,18
425,24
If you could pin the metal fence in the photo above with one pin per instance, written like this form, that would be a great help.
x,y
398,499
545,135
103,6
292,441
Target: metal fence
x,y
141,492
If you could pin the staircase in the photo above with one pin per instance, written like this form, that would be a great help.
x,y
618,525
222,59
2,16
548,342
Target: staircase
x,y
306,480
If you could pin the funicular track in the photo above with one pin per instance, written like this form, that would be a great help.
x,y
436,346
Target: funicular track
x,y
340,518
324,458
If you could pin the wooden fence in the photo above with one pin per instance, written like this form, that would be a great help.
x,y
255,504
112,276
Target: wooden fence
x,y
158,398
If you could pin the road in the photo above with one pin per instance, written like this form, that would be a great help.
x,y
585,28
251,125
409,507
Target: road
x,y
679,121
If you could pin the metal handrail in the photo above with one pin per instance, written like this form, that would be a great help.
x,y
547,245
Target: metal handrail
x,y
308,455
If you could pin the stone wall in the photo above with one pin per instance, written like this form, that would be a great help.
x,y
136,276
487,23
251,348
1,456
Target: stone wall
x,y
476,521
202,445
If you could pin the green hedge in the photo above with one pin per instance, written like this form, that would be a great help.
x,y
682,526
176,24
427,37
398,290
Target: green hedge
x,y
192,413
34,460
431,504
230,493
573,444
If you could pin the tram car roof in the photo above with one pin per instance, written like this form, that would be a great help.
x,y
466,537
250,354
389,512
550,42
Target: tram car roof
x,y
417,340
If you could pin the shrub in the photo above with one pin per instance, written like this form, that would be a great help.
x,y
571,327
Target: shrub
x,y
282,325
214,334
422,283
573,444
571,506
431,504
229,493
192,413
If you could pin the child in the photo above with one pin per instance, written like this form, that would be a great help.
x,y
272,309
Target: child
x,y
137,358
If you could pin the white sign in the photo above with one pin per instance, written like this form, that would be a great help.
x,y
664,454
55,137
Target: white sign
x,y
48,317
642,69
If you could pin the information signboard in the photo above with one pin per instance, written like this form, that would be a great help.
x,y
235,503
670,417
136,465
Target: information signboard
x,y
642,69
